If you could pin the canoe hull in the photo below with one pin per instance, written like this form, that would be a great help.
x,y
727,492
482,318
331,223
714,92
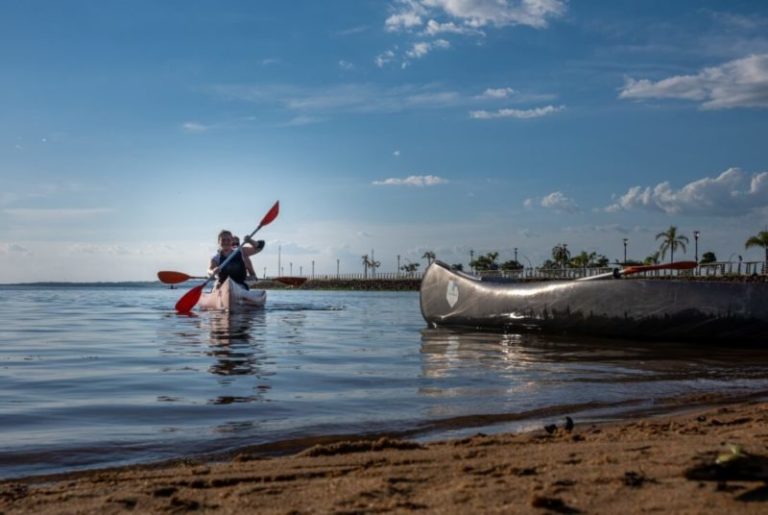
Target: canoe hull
x,y
626,308
232,297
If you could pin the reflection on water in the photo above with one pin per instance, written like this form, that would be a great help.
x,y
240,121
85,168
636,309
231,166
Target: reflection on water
x,y
109,377
517,373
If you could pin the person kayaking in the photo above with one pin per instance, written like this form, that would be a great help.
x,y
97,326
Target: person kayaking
x,y
246,258
236,267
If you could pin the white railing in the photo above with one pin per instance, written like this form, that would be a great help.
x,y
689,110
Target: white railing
x,y
720,268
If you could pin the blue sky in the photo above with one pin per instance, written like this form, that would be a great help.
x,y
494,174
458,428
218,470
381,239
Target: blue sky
x,y
133,131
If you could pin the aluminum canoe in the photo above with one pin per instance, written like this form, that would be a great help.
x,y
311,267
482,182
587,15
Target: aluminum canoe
x,y
656,309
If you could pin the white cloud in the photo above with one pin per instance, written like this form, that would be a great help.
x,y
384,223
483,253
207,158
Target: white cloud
x,y
194,127
396,153
422,48
346,65
13,248
99,249
53,215
413,180
474,14
433,28
302,120
521,114
347,98
732,193
403,20
384,58
462,18
497,93
739,83
555,200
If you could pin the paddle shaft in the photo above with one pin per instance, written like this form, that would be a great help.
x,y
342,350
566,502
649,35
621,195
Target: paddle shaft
x,y
680,265
188,301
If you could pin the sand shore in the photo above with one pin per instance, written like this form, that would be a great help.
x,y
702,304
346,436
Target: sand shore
x,y
711,461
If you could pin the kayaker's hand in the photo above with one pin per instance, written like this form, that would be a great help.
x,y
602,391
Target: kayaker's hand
x,y
256,244
214,272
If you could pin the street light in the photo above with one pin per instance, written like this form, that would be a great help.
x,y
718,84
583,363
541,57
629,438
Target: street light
x,y
696,246
626,240
515,254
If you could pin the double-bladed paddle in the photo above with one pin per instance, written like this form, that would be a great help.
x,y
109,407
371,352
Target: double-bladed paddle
x,y
188,301
636,269
169,277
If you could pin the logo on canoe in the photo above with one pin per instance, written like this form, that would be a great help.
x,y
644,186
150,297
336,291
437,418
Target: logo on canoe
x,y
452,293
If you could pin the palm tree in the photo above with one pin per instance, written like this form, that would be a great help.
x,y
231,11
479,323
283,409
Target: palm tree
x,y
670,241
760,240
584,259
366,264
429,256
653,259
560,254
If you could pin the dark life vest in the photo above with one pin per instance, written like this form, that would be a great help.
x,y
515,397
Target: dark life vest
x,y
234,269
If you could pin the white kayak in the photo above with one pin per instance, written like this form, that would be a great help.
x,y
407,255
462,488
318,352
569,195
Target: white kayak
x,y
232,297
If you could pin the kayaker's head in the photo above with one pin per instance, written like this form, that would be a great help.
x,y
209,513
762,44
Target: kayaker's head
x,y
225,240
235,242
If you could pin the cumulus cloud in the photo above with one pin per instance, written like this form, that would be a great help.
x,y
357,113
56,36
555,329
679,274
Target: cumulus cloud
x,y
475,14
556,200
422,48
431,18
520,114
732,193
433,28
739,83
413,180
406,19
497,93
384,58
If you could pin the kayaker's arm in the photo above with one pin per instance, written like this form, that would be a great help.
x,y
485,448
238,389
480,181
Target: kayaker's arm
x,y
213,268
251,246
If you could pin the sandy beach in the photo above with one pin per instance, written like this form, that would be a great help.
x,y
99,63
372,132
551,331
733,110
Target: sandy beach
x,y
709,461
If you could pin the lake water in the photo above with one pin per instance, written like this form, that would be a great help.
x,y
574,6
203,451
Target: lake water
x,y
95,376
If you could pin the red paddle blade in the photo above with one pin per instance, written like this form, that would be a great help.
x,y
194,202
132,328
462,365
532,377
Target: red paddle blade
x,y
169,277
271,215
679,265
188,301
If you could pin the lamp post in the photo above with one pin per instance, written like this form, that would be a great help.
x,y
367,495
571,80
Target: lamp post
x,y
337,268
471,259
313,269
626,240
515,254
398,265
696,246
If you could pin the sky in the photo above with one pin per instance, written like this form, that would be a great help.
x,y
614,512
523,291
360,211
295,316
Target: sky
x,y
132,132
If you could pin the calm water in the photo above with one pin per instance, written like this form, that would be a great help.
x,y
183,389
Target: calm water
x,y
100,376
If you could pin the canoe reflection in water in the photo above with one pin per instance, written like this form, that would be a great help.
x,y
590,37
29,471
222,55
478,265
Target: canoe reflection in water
x,y
238,353
517,378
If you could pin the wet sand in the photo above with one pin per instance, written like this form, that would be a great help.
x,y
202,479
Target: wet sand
x,y
710,461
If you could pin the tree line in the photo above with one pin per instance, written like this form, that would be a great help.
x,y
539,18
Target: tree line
x,y
671,241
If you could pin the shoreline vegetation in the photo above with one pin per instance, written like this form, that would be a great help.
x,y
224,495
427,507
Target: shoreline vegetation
x,y
710,459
